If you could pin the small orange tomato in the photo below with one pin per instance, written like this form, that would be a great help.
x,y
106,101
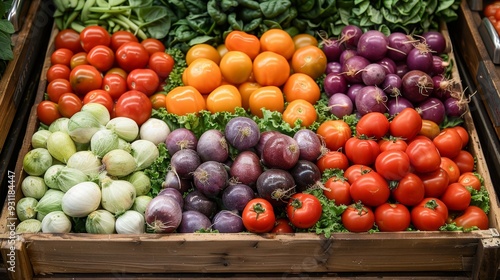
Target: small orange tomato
x,y
301,86
429,129
119,71
302,110
222,49
184,100
241,41
268,97
225,98
158,100
78,59
236,67
202,74
304,39
202,51
270,69
277,41
246,89
309,60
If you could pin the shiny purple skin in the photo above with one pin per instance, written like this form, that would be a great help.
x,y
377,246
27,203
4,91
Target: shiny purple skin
x,y
350,34
401,69
442,87
264,136
353,90
392,85
396,105
276,186
163,214
309,144
419,60
184,162
335,83
180,138
193,221
371,99
212,145
280,151
352,68
417,86
210,178
333,67
332,49
400,45
175,182
236,197
432,109
345,55
306,174
388,64
242,133
195,200
372,45
173,193
455,107
438,66
435,40
340,105
373,74
246,168
227,222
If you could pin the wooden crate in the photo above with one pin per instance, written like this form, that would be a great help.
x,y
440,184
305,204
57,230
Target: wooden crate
x,y
476,254
15,79
485,73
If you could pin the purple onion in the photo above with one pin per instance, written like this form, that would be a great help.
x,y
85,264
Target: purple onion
x,y
332,49
373,74
350,35
398,104
353,90
435,40
352,68
432,109
226,221
419,58
334,83
371,99
388,64
442,87
346,54
455,107
392,85
400,45
401,69
333,67
372,45
340,105
438,66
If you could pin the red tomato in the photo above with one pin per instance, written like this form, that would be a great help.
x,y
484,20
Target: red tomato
x,y
393,165
61,56
69,39
464,134
78,59
162,63
69,104
58,71
373,125
358,218
135,105
456,197
424,156
258,216
429,214
304,210
451,168
99,96
57,87
391,217
361,151
309,60
409,191
153,45
392,144
119,71
335,133
429,129
435,183
132,55
143,80
281,226
465,161
47,112
471,179
371,189
332,160
114,84
120,37
101,57
94,35
406,124
491,9
337,189
448,143
84,78
473,216
353,172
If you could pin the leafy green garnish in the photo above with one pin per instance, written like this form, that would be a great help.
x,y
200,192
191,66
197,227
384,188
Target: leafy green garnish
x,y
330,221
6,30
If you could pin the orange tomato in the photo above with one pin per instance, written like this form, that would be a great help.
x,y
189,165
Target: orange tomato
x,y
429,129
246,89
270,69
222,49
236,67
203,74
268,97
241,41
202,51
302,110
304,39
158,100
78,59
301,86
184,100
309,60
278,41
225,98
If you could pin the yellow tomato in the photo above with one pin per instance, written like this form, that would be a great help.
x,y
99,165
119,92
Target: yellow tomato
x,y
300,109
225,98
236,67
301,86
268,97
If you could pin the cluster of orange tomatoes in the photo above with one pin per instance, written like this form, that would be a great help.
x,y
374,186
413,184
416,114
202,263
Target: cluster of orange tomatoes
x,y
115,70
253,73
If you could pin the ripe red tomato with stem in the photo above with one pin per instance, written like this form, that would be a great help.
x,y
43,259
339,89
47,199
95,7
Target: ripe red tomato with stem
x,y
392,143
258,216
99,96
337,188
393,165
423,154
361,150
114,84
358,218
373,125
427,216
69,104
135,105
334,133
471,179
162,63
143,80
456,197
94,35
371,189
101,57
408,191
47,112
85,78
332,160
304,210
435,183
354,171
448,142
282,226
68,38
472,217
390,217
132,55
451,168
406,124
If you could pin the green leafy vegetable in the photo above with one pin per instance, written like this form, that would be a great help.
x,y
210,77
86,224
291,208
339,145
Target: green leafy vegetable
x,y
6,30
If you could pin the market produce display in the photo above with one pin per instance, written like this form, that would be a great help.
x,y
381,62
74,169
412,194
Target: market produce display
x,y
262,132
